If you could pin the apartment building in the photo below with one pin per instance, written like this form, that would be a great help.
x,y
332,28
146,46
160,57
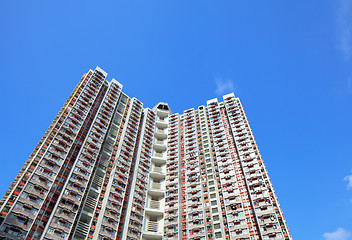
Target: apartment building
x,y
110,168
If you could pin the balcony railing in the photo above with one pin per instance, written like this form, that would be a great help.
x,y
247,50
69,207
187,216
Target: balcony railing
x,y
160,131
153,204
152,226
157,169
159,142
160,155
156,185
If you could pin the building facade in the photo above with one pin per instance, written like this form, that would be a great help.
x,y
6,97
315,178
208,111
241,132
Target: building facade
x,y
108,168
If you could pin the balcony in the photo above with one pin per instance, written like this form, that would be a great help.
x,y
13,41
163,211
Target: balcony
x,y
158,169
25,210
97,182
154,204
82,228
159,142
19,220
157,176
159,147
152,226
159,158
161,123
162,113
271,230
156,185
160,134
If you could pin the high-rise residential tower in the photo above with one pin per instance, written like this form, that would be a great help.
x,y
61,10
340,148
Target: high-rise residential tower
x,y
108,168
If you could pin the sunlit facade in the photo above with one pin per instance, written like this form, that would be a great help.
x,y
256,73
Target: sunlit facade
x,y
108,168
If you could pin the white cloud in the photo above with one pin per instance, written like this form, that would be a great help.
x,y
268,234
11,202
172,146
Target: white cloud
x,y
339,234
348,178
223,87
344,26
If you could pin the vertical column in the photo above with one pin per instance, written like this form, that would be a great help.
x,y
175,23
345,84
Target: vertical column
x,y
202,225
219,155
239,212
140,180
172,202
110,221
207,170
155,201
108,160
192,204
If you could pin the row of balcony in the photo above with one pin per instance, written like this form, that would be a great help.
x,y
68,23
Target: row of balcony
x,y
153,221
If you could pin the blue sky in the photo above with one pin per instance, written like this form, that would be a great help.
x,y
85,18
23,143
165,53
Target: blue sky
x,y
290,62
